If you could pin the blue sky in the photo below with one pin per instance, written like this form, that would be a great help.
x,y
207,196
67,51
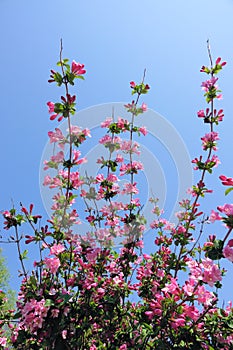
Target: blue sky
x,y
116,41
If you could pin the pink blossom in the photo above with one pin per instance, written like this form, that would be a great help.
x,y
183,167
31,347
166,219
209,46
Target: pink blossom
x,y
219,115
100,291
226,181
130,147
144,107
149,314
77,68
214,216
52,264
211,272
204,296
189,287
55,313
57,136
51,106
93,347
131,168
33,314
171,287
105,139
130,188
218,62
206,85
57,249
226,209
99,178
119,158
122,124
3,341
64,334
123,347
58,158
132,84
191,311
209,140
228,251
143,130
112,178
201,113
178,322
215,160
76,155
106,123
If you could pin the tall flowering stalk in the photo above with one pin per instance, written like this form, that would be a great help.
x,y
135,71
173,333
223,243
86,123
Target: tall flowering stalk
x,y
77,296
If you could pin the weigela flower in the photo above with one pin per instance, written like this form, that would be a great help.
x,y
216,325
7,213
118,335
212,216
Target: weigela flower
x,y
226,181
77,68
51,106
52,264
228,251
218,62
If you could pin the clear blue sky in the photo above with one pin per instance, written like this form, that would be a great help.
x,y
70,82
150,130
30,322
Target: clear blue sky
x,y
116,41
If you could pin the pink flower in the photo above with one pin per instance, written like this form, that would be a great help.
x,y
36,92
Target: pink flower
x,y
204,296
226,209
123,347
106,123
218,62
171,287
51,106
64,334
144,107
105,139
192,312
132,84
189,287
76,154
122,124
57,249
52,264
112,178
211,272
214,216
206,85
55,313
99,178
201,114
56,137
215,160
209,140
178,322
149,314
3,341
143,130
130,147
130,188
226,181
228,250
77,68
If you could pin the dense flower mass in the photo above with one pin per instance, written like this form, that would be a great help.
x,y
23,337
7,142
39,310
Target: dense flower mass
x,y
84,294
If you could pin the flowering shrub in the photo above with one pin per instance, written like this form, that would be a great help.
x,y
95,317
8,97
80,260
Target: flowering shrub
x,y
77,296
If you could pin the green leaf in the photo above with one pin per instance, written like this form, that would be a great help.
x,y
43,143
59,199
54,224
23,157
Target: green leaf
x,y
228,190
49,302
24,254
80,77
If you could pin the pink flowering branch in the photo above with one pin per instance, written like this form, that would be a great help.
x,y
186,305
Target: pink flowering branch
x,y
77,296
